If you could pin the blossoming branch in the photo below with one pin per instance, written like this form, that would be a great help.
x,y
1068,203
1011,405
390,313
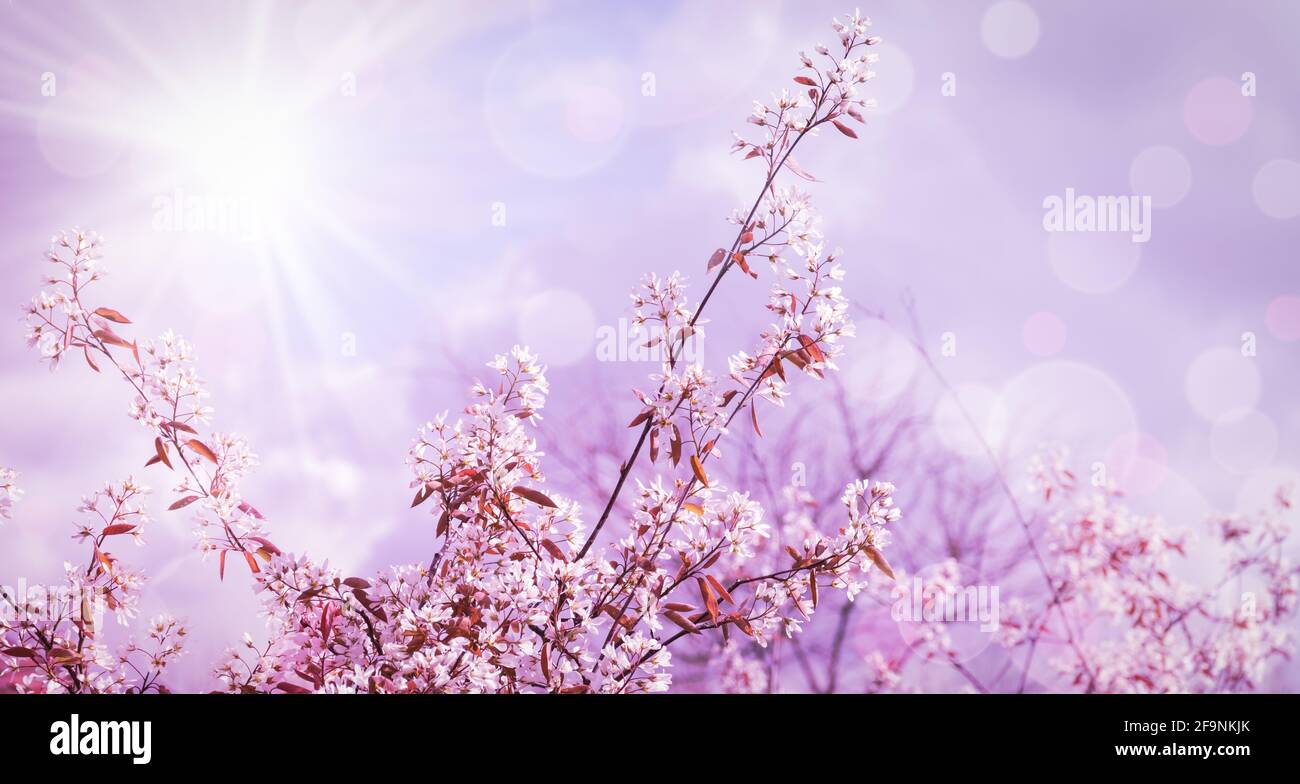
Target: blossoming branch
x,y
518,594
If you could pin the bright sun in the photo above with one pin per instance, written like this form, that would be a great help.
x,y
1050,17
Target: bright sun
x,y
245,150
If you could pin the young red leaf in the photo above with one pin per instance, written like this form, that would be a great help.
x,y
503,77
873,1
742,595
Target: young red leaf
x,y
698,468
554,550
795,168
117,528
266,544
742,622
184,502
161,452
717,587
252,562
202,449
710,601
844,129
248,509
716,259
807,81
812,348
534,496
112,315
681,621
878,559
422,495
739,258
112,338
221,565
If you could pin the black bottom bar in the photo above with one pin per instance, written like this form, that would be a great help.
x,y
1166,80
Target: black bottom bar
x,y
1047,734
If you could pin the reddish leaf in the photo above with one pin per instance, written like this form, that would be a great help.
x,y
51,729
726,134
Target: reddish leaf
x,y
554,550
117,528
422,495
812,348
247,508
534,496
202,449
641,417
739,258
878,559
89,361
806,81
19,652
291,688
112,338
717,587
844,129
221,565
698,468
753,417
681,621
184,502
62,655
152,460
710,601
716,259
112,315
266,544
252,562
742,622
161,451
356,582
794,167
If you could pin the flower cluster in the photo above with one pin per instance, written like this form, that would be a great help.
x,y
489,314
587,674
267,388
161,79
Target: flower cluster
x,y
52,638
9,491
1121,617
168,399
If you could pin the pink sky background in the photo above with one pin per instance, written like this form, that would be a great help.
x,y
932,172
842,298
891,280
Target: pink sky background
x,y
375,144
